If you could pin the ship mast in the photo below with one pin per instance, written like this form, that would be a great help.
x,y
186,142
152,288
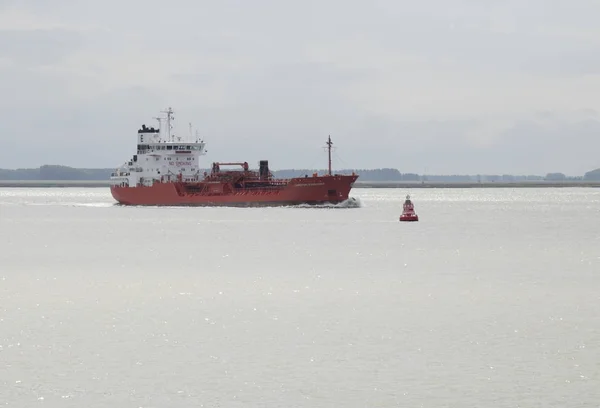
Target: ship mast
x,y
169,118
329,144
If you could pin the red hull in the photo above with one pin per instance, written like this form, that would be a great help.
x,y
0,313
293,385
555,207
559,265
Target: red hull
x,y
413,217
302,190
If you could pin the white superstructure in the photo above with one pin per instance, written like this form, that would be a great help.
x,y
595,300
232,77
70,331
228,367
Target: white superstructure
x,y
161,158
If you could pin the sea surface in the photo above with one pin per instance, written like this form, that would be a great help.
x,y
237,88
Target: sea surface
x,y
492,299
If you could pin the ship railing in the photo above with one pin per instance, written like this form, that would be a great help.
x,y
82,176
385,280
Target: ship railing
x,y
263,188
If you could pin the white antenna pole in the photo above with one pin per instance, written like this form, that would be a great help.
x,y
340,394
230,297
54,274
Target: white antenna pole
x,y
170,117
159,127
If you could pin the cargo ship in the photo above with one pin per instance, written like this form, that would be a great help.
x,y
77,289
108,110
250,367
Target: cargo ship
x,y
166,171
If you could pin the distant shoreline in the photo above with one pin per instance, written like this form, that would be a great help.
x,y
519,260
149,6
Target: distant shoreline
x,y
358,184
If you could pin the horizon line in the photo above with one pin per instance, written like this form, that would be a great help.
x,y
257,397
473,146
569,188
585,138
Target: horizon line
x,y
339,169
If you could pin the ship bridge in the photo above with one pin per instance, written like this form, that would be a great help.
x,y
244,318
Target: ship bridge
x,y
167,147
162,156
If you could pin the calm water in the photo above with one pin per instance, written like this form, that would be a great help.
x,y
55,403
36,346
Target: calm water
x,y
491,300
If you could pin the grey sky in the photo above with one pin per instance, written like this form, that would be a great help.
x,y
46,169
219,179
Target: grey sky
x,y
451,86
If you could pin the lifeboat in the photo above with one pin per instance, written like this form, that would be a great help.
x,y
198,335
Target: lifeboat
x,y
408,211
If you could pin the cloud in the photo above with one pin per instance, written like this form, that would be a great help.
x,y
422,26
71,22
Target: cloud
x,y
38,47
452,85
554,144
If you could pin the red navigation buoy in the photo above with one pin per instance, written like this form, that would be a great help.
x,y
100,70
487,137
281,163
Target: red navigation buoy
x,y
408,211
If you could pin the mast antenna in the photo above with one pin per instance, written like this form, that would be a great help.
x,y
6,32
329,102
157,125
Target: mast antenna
x,y
329,144
170,117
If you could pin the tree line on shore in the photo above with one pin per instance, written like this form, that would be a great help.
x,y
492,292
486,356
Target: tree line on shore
x,y
57,172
